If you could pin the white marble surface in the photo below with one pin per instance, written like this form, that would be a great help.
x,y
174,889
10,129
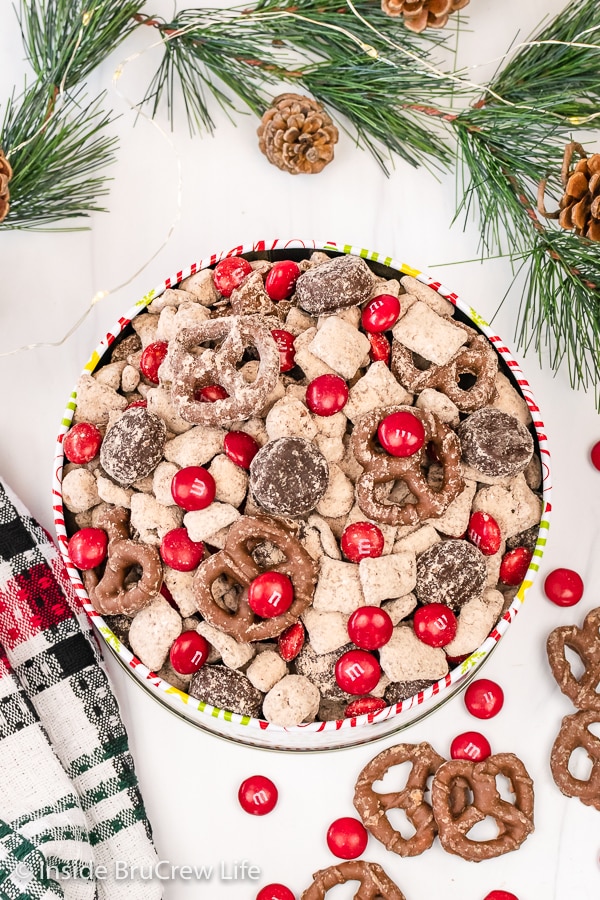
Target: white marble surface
x,y
232,195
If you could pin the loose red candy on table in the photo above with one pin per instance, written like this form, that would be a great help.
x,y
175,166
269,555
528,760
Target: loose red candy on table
x,y
370,627
347,838
179,551
470,745
152,359
281,280
484,532
285,345
564,587
291,641
380,348
435,624
363,706
257,795
357,672
87,547
275,892
326,395
270,594
514,565
484,698
241,448
401,434
595,455
82,443
193,488
189,652
500,895
362,540
229,274
380,314
211,393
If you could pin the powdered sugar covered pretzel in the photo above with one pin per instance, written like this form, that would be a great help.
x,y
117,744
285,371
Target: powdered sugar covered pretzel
x,y
373,806
236,562
475,358
375,884
381,468
514,820
192,366
110,595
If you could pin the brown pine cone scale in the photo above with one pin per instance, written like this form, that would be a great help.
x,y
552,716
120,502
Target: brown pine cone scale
x,y
422,14
5,176
579,208
297,135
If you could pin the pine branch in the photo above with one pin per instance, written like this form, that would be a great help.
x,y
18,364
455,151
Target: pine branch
x,y
67,39
59,172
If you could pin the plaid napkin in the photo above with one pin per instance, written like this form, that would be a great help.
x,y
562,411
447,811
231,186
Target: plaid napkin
x,y
72,820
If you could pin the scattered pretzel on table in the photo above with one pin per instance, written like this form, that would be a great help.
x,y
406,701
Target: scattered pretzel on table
x,y
381,469
574,733
109,594
514,820
476,358
585,641
374,883
236,562
193,370
373,807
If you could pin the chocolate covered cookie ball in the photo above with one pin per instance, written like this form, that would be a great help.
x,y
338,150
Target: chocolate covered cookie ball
x,y
450,572
495,443
134,446
344,281
289,476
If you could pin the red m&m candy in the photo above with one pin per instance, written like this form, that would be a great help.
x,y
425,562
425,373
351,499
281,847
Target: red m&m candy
x,y
180,552
370,627
484,532
211,393
285,345
241,448
281,279
193,488
229,274
500,895
470,745
363,706
291,641
381,313
82,443
275,892
152,359
401,434
257,795
87,547
361,540
484,698
514,565
435,624
380,348
326,395
270,594
189,652
357,672
564,587
595,455
347,838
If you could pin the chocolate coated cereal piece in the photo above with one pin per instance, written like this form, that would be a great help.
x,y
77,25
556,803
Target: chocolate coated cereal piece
x,y
374,883
450,572
343,281
495,443
134,446
575,733
320,669
373,806
514,820
226,689
289,476
396,691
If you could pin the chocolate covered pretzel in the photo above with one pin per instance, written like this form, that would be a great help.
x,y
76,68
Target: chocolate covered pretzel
x,y
575,733
585,641
374,883
373,807
514,820
476,358
109,594
380,469
193,367
235,562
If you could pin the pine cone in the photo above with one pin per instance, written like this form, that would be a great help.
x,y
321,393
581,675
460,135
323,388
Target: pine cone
x,y
5,176
580,205
297,135
422,14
